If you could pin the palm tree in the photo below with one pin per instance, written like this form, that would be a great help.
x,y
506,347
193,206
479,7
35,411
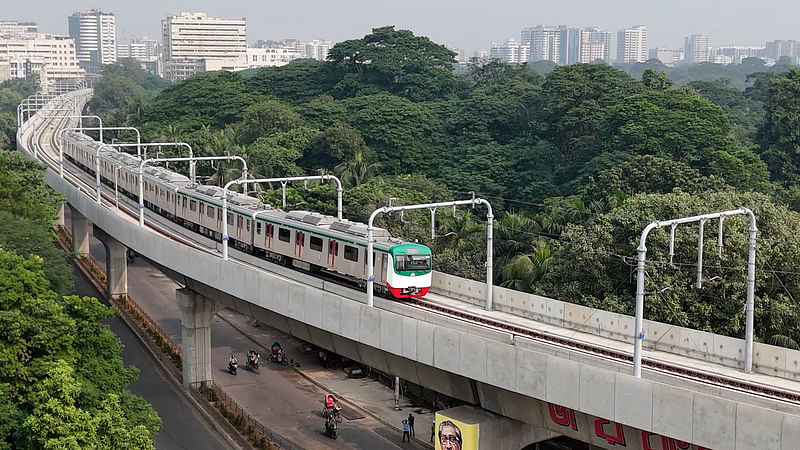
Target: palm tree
x,y
526,269
357,169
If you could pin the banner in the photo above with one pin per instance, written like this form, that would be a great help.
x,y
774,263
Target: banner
x,y
452,434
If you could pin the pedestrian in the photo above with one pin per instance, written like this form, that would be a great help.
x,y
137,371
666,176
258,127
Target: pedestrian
x,y
325,360
405,431
411,424
319,355
433,429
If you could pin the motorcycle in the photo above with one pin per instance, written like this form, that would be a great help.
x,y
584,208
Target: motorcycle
x,y
277,355
233,365
331,409
330,428
252,361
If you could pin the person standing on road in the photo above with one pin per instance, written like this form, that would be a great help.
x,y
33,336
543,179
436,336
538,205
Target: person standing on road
x,y
411,424
405,431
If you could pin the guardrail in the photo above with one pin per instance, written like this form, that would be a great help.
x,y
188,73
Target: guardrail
x,y
728,351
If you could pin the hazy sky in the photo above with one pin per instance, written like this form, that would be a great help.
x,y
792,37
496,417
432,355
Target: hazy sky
x,y
467,24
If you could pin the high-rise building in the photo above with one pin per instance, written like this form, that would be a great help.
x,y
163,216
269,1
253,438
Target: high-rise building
x,y
667,56
776,49
595,44
544,42
734,54
632,44
697,49
510,51
47,56
318,49
569,45
194,42
12,27
95,35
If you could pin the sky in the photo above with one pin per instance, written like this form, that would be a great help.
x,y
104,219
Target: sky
x,y
466,24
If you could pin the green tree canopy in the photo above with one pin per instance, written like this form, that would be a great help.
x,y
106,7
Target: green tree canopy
x,y
395,61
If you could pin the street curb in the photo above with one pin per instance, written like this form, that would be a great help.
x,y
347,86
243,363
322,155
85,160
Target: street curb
x,y
346,401
224,428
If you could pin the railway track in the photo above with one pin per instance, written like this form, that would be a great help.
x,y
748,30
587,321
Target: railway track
x,y
424,304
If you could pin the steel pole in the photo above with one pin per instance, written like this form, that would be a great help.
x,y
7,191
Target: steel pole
x,y
751,285
638,330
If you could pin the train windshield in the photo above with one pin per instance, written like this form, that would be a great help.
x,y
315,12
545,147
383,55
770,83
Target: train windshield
x,y
412,262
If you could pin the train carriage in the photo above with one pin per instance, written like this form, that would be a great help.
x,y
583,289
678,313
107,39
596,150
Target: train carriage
x,y
309,241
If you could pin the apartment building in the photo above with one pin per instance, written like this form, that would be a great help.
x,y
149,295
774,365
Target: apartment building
x,y
194,42
510,51
632,44
697,49
48,56
95,35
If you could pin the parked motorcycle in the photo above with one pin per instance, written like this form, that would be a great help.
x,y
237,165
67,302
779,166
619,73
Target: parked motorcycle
x,y
277,355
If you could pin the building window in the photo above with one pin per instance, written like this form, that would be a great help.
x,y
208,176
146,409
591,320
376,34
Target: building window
x,y
351,253
315,243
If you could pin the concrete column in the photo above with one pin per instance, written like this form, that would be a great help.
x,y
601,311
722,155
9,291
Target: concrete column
x,y
80,227
116,264
61,220
196,314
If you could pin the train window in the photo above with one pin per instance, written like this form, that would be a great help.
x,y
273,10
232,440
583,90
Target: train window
x,y
351,253
284,234
315,243
210,211
258,227
412,262
192,205
230,218
247,225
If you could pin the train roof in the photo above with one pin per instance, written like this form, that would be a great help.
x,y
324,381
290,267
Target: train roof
x,y
242,201
330,225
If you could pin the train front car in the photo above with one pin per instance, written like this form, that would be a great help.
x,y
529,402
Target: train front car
x,y
410,273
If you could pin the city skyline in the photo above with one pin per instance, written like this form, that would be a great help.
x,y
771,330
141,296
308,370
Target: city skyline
x,y
468,26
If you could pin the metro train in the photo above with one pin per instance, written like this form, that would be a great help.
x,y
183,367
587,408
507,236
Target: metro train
x,y
309,241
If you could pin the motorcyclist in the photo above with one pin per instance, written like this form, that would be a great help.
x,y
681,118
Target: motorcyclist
x,y
233,362
253,357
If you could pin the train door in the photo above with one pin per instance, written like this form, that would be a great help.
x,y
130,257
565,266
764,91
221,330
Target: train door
x,y
183,211
219,221
299,238
381,276
332,250
269,236
238,227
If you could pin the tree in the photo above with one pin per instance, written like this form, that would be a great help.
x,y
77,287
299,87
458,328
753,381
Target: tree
x,y
335,145
779,136
395,61
648,174
397,129
211,98
656,80
265,118
297,81
594,263
23,191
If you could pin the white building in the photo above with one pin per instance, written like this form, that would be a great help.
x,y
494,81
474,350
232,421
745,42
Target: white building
x,y
12,27
697,49
667,56
595,44
632,44
734,54
271,56
49,56
510,51
191,41
299,46
95,35
544,42
318,49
